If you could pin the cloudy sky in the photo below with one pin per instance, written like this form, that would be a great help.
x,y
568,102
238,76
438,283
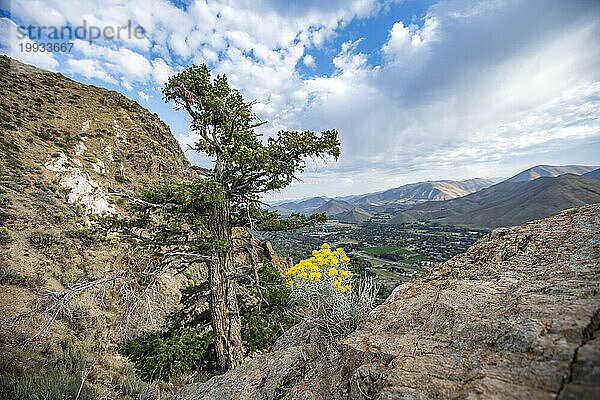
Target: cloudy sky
x,y
417,89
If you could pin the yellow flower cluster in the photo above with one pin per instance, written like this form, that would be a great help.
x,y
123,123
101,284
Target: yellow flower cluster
x,y
72,275
6,233
113,238
323,264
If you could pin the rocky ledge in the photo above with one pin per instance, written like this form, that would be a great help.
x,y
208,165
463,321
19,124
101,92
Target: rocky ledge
x,y
517,316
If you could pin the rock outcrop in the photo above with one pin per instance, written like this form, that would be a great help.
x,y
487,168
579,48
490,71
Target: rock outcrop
x,y
515,317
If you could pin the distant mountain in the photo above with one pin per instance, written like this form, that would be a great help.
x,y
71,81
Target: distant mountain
x,y
595,174
334,207
403,196
550,170
304,206
512,203
355,216
422,191
402,218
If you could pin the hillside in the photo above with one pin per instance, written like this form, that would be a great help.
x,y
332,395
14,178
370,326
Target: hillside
x,y
550,170
595,174
306,206
334,207
512,203
354,216
515,317
402,217
422,191
64,146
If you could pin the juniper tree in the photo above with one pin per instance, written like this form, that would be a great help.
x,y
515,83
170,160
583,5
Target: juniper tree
x,y
196,219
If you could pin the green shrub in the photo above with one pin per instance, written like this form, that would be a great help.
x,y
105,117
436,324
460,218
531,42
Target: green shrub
x,y
18,183
75,211
77,315
33,168
62,380
263,323
6,272
135,388
186,343
9,276
55,385
163,354
43,239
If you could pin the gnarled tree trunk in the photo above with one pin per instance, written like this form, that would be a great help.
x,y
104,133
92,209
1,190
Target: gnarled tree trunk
x,y
224,308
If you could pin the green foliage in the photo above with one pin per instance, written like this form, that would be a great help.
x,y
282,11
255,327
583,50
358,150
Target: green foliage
x,y
43,239
225,124
9,276
376,251
163,354
85,235
186,342
133,388
6,235
198,218
61,381
17,182
263,323
6,272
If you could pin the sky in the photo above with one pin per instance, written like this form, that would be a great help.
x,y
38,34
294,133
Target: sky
x,y
418,90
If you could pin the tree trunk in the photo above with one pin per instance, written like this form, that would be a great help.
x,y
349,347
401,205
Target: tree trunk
x,y
224,308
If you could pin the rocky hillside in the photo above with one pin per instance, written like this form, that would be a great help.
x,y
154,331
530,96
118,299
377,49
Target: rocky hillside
x,y
64,147
515,317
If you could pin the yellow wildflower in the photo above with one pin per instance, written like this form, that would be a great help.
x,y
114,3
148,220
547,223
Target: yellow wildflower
x,y
314,276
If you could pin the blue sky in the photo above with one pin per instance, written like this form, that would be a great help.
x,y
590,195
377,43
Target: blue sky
x,y
417,89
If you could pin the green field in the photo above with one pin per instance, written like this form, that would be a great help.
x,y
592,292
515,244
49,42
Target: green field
x,y
415,259
373,251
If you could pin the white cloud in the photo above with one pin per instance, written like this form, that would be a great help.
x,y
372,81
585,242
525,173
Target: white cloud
x,y
405,40
90,69
161,71
470,82
143,95
15,47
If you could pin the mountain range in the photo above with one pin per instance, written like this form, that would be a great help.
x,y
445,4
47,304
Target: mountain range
x,y
595,174
395,198
535,193
550,170
512,203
